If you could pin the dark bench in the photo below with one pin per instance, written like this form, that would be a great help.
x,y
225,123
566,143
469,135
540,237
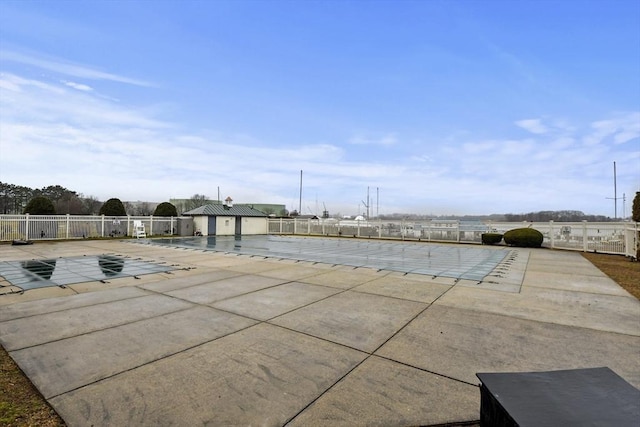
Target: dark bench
x,y
577,397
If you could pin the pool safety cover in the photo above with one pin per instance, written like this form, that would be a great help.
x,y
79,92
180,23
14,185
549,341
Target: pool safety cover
x,y
455,261
40,273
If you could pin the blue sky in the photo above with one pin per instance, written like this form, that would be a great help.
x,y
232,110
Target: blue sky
x,y
446,107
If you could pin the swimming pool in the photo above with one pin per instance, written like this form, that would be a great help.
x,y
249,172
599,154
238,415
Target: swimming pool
x,y
455,261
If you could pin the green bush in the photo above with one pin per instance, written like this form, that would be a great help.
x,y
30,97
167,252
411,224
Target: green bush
x,y
113,207
491,238
40,205
524,238
165,209
635,210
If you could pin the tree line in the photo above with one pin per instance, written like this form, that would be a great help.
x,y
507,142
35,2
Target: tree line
x,y
56,199
14,199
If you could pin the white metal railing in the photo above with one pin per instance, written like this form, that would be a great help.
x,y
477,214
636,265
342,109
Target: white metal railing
x,y
607,237
51,227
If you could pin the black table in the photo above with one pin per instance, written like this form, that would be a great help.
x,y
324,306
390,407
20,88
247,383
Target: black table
x,y
577,397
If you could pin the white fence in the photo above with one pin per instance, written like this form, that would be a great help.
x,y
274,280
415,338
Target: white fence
x,y
49,227
606,237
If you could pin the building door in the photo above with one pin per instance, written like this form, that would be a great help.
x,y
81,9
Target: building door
x,y
238,226
211,228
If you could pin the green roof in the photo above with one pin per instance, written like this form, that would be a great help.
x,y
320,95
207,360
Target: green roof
x,y
223,210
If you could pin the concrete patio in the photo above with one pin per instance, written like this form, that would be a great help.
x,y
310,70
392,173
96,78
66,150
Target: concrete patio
x,y
226,339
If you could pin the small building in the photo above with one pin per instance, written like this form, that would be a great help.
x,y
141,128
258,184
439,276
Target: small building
x,y
228,220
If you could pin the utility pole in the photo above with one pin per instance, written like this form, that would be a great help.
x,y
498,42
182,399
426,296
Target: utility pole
x,y
300,205
615,194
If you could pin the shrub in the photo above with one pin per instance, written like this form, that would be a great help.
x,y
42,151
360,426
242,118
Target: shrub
x,y
491,238
524,238
40,205
635,210
113,207
635,216
165,209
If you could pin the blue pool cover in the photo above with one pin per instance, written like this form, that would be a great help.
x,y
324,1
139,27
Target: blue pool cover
x,y
455,261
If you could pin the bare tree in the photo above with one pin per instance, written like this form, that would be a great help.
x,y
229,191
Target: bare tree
x,y
196,201
91,205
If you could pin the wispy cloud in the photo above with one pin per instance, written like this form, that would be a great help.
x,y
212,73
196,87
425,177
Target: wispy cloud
x,y
78,86
383,140
533,125
67,68
620,129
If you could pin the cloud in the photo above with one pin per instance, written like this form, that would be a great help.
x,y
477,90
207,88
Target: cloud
x,y
56,134
78,86
620,129
384,140
534,126
67,68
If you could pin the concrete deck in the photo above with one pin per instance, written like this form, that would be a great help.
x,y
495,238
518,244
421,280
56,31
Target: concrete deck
x,y
239,340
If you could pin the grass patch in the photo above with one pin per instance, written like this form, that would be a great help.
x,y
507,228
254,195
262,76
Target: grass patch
x,y
21,405
621,269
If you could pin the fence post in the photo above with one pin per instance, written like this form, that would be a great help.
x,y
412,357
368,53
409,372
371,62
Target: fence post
x,y
171,225
458,230
379,228
585,246
68,223
102,232
150,225
26,229
551,234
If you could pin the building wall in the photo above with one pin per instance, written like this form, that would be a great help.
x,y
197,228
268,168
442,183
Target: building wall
x,y
201,224
226,225
253,225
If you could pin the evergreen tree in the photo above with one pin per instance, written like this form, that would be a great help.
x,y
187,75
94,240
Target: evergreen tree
x,y
113,207
40,205
165,209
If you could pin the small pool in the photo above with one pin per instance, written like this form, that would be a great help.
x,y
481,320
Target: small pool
x,y
456,261
40,273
